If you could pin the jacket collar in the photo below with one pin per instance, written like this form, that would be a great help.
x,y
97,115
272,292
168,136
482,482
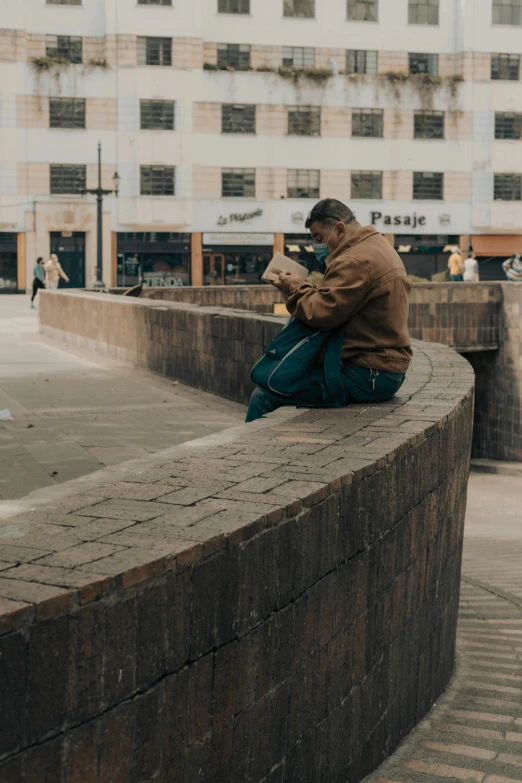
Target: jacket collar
x,y
354,239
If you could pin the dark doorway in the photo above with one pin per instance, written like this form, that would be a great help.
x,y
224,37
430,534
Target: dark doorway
x,y
70,249
8,263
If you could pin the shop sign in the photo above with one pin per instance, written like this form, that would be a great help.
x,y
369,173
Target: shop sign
x,y
215,240
239,217
153,280
412,221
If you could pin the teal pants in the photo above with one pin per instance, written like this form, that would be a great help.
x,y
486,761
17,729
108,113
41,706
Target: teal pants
x,y
361,384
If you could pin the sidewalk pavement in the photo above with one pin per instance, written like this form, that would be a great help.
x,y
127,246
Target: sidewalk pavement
x,y
474,732
75,412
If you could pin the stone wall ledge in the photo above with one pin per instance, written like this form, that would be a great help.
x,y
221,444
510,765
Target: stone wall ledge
x,y
276,604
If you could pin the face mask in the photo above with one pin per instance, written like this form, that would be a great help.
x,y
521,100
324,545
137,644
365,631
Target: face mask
x,y
321,249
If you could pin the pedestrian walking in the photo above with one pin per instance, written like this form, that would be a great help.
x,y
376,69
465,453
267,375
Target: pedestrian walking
x,y
38,279
54,271
512,266
471,269
456,266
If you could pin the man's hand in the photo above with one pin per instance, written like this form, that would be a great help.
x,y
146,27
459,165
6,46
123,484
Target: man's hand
x,y
287,282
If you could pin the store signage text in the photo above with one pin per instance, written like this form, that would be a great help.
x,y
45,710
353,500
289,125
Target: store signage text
x,y
407,220
238,217
152,280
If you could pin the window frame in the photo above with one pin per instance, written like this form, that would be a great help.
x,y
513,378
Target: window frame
x,y
298,15
149,103
432,59
78,103
166,3
499,6
236,172
505,66
421,115
361,57
515,182
436,175
147,177
314,113
77,3
239,3
501,125
238,50
72,52
418,6
306,190
77,169
301,57
360,121
145,44
248,110
354,4
373,178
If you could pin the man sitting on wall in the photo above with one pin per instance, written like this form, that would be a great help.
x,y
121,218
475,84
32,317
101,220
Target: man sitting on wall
x,y
365,290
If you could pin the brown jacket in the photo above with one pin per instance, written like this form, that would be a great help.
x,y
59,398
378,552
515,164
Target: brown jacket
x,y
365,287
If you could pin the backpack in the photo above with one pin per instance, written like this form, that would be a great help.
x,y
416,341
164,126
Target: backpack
x,y
293,354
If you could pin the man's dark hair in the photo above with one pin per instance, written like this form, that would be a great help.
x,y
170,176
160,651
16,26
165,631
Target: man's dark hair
x,y
330,210
40,258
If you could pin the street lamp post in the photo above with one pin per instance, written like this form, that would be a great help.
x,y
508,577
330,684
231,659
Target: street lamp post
x,y
99,192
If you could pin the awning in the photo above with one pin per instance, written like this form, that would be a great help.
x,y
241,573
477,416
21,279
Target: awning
x,y
500,245
293,248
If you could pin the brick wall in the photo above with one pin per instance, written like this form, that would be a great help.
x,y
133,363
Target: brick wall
x,y
279,604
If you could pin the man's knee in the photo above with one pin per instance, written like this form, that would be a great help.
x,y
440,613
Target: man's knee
x,y
261,402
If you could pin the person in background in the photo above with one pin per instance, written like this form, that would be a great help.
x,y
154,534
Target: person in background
x,y
38,280
456,266
512,266
53,272
471,268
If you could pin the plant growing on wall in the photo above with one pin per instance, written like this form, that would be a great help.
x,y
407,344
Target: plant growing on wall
x,y
317,75
424,84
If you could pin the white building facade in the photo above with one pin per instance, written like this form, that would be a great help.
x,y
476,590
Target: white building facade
x,y
226,120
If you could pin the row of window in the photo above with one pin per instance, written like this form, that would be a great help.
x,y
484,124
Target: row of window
x,y
419,11
302,120
158,51
301,183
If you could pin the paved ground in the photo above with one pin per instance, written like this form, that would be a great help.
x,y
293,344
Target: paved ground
x,y
474,733
75,412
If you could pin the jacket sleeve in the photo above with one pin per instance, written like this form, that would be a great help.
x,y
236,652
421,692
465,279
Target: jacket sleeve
x,y
61,272
342,290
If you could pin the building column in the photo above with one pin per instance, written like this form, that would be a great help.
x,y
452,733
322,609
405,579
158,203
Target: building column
x,y
390,238
20,261
465,242
196,260
279,243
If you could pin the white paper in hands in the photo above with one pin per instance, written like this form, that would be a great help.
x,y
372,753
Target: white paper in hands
x,y
281,263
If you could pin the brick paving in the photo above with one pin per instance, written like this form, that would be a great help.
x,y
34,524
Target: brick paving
x,y
474,732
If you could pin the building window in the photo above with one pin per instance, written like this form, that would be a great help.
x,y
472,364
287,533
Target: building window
x,y
234,7
428,186
236,56
301,8
367,122
366,184
66,47
363,10
302,183
304,121
428,125
361,62
157,180
507,11
299,56
424,63
67,113
238,183
154,2
505,66
156,115
508,125
238,118
64,2
423,12
67,179
154,51
508,187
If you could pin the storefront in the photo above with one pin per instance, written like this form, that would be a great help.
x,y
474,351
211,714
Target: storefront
x,y
235,259
300,247
158,259
425,255
492,251
8,262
